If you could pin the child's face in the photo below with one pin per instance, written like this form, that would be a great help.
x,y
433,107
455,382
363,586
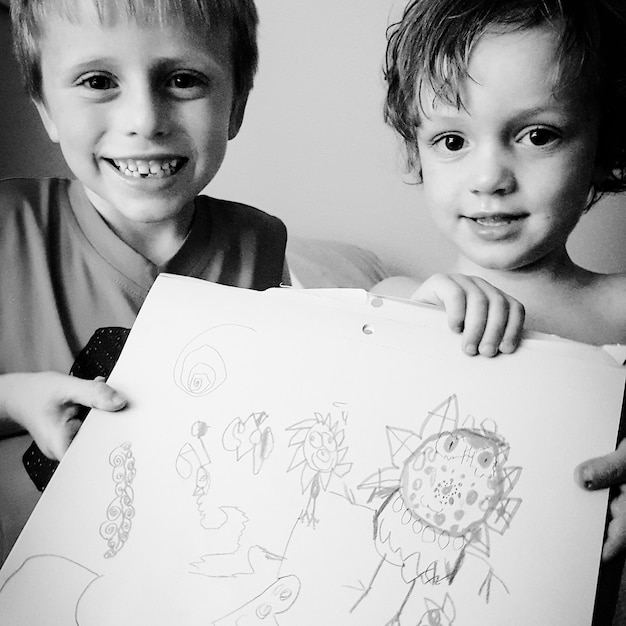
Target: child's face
x,y
127,99
507,178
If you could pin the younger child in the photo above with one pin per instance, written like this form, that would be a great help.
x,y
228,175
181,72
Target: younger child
x,y
514,117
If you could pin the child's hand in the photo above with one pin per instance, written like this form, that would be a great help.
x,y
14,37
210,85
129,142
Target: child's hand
x,y
489,319
46,404
600,473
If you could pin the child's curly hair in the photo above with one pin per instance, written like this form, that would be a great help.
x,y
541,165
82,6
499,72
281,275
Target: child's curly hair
x,y
431,45
237,17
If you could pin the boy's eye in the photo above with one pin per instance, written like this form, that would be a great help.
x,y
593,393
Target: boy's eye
x,y
187,85
450,143
539,137
97,81
184,81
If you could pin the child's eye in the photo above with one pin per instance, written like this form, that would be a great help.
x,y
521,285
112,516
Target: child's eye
x,y
450,143
99,82
186,84
184,81
539,137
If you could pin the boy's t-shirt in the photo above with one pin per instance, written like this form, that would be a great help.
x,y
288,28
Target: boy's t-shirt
x,y
64,273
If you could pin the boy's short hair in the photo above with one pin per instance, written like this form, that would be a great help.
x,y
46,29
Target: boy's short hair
x,y
237,17
431,45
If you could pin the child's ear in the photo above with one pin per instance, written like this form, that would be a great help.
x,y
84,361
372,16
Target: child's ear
x,y
236,115
48,122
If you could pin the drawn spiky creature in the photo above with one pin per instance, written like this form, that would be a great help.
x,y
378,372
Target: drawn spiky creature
x,y
319,453
446,489
436,615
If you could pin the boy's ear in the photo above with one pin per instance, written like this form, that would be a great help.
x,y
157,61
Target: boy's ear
x,y
236,115
48,122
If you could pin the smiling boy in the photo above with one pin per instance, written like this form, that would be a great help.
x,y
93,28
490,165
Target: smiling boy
x,y
143,97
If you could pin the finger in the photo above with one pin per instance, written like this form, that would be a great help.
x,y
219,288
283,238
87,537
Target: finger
x,y
497,320
615,540
514,327
476,312
603,471
95,394
441,289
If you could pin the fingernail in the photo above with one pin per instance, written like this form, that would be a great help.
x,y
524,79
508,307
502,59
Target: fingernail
x,y
118,399
470,349
487,349
585,477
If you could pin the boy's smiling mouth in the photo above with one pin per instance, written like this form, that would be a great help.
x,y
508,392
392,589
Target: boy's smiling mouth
x,y
148,168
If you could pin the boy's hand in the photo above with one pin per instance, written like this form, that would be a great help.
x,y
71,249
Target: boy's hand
x,y
600,473
491,321
46,404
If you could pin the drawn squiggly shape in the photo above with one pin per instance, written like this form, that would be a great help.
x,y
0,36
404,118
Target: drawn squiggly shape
x,y
200,371
436,615
276,599
247,436
20,604
120,512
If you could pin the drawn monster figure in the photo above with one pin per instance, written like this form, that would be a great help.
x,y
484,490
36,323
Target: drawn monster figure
x,y
319,453
250,436
438,615
447,488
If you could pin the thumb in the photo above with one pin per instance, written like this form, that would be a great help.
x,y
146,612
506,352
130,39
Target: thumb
x,y
97,395
603,471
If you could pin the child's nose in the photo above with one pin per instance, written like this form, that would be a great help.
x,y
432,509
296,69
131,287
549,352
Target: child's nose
x,y
492,171
144,113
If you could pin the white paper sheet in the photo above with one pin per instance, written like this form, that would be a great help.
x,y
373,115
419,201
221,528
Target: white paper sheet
x,y
304,458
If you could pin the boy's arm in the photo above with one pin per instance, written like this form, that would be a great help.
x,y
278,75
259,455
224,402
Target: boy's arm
x,y
46,405
603,472
491,321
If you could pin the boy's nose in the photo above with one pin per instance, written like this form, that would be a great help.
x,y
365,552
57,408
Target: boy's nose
x,y
144,113
492,171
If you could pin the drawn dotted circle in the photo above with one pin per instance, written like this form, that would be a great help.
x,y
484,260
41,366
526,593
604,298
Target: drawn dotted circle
x,y
377,302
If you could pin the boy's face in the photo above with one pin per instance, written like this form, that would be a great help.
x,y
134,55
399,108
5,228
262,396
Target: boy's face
x,y
142,114
507,178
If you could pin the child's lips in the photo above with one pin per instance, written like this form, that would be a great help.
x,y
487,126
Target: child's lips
x,y
496,219
496,226
148,168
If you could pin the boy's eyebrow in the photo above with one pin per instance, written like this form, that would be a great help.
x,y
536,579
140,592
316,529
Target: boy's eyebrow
x,y
158,64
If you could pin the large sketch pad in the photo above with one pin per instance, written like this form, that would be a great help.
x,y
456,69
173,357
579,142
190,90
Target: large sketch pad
x,y
303,458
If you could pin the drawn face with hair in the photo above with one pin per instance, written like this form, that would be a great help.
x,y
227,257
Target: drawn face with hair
x,y
453,481
320,448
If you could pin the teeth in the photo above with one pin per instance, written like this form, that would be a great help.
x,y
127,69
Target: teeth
x,y
496,219
142,168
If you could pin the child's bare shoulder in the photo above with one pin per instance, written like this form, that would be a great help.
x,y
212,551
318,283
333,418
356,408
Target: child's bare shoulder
x,y
610,298
396,286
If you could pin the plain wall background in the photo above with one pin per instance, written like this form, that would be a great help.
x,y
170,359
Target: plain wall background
x,y
313,148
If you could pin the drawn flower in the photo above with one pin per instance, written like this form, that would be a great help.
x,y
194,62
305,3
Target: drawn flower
x,y
446,490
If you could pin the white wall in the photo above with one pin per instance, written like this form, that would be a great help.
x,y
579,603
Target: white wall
x,y
314,149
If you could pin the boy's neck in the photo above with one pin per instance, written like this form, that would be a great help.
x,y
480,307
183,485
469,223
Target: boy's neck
x,y
156,241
